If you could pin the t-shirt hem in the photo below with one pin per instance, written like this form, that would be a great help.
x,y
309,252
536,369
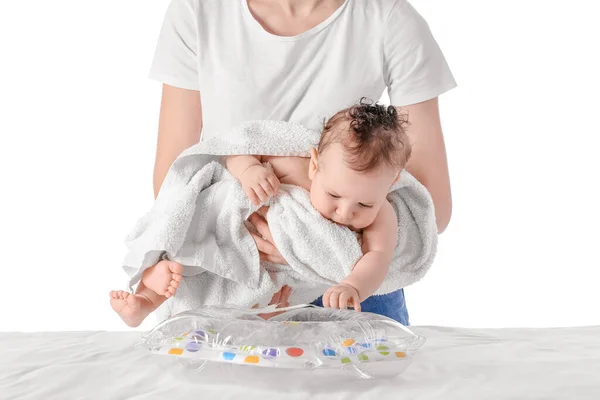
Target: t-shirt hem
x,y
173,81
409,99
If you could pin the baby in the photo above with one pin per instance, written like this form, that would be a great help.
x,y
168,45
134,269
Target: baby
x,y
360,155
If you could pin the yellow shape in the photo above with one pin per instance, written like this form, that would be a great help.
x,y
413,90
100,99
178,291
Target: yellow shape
x,y
177,352
251,360
348,342
400,354
363,357
346,360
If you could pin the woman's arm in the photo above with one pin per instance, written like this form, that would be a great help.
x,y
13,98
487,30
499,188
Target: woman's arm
x,y
179,127
428,162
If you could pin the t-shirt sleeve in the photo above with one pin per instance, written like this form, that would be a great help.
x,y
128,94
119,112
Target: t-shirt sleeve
x,y
176,56
415,69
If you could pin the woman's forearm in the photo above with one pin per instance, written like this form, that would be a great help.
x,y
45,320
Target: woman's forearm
x,y
180,124
428,162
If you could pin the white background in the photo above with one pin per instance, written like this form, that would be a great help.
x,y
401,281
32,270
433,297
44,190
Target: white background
x,y
78,124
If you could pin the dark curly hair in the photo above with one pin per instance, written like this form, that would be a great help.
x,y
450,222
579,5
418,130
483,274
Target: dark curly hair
x,y
371,133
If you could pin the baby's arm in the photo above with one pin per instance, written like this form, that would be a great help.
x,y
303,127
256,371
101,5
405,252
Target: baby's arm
x,y
379,242
258,182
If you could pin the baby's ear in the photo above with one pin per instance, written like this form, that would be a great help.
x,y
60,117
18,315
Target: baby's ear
x,y
313,165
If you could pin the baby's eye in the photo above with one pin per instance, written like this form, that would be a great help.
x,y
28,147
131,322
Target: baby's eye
x,y
333,195
365,205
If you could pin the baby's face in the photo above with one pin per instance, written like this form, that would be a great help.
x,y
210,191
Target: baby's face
x,y
343,195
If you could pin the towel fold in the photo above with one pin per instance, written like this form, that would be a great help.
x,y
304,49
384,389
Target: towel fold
x,y
198,220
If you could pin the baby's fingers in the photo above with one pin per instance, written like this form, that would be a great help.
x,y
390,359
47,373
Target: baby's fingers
x,y
344,297
261,193
356,303
252,196
334,299
268,188
325,298
274,183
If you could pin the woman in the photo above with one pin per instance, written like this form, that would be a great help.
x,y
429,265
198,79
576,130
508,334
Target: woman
x,y
228,61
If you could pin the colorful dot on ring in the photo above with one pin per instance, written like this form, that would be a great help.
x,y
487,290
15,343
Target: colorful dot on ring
x,y
192,347
400,354
383,350
363,357
348,342
228,356
176,352
329,353
294,352
271,353
251,360
346,360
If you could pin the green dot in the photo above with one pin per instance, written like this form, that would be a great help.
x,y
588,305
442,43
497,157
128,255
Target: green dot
x,y
380,347
178,338
346,360
363,357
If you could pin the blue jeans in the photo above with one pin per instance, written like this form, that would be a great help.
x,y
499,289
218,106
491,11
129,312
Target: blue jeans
x,y
391,305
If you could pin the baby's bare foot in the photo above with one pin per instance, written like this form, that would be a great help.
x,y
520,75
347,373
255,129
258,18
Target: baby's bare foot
x,y
163,278
132,308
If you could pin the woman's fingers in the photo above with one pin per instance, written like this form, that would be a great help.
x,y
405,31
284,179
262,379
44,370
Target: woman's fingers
x,y
261,226
285,292
264,246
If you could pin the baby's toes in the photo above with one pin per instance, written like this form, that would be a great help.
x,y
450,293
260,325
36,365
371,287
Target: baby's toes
x,y
174,284
176,277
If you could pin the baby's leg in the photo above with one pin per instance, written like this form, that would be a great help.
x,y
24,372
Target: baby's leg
x,y
158,283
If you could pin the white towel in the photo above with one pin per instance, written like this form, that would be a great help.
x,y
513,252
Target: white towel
x,y
198,221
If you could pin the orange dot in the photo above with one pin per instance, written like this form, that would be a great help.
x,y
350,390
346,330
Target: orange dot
x,y
294,352
348,342
177,352
400,354
251,360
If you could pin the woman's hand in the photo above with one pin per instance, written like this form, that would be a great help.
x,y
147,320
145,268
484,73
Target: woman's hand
x,y
280,298
264,240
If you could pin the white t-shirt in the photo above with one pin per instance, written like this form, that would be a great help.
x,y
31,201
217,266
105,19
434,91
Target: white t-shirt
x,y
245,73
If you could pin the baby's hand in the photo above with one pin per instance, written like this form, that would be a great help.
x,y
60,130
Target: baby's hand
x,y
259,183
341,296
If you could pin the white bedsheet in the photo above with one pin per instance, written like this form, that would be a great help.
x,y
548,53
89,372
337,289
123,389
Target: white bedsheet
x,y
559,363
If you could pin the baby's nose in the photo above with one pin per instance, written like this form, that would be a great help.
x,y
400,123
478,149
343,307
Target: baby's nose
x,y
345,212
